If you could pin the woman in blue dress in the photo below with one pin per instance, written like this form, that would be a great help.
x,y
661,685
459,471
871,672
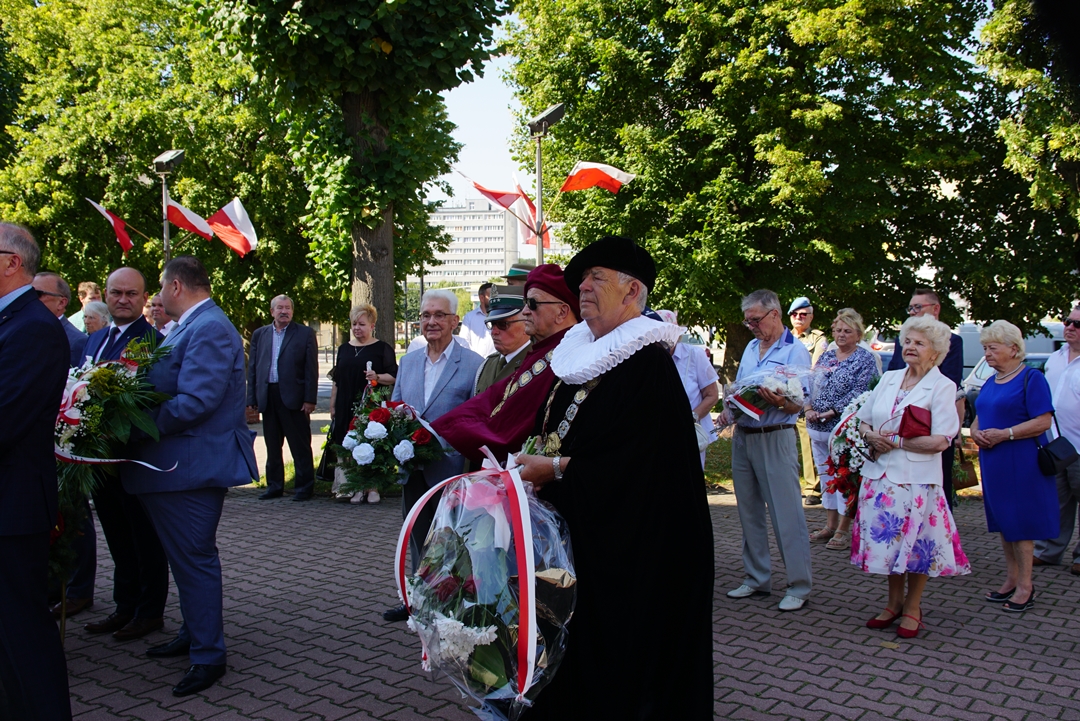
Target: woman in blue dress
x,y
1014,407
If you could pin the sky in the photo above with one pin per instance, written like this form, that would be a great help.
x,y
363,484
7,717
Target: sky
x,y
481,110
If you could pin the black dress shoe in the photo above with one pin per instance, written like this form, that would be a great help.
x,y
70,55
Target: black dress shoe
x,y
114,622
199,677
176,647
271,494
302,498
396,614
139,628
74,605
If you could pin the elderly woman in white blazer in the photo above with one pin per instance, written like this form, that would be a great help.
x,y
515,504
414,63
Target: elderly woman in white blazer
x,y
903,525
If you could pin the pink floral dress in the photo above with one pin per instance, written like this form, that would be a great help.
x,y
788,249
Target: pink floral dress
x,y
905,528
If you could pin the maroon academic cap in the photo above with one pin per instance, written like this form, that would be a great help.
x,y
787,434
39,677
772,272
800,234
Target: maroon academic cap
x,y
549,278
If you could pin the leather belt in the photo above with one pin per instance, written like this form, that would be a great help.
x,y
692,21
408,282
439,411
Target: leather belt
x,y
767,429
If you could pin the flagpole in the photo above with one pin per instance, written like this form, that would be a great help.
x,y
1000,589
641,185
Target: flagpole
x,y
539,205
165,214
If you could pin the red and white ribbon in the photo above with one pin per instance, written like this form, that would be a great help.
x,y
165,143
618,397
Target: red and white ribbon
x,y
746,407
521,525
72,458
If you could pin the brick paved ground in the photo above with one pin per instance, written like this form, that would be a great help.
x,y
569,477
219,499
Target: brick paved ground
x,y
305,585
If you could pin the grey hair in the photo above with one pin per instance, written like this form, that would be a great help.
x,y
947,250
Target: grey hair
x,y
643,297
276,298
765,298
1005,333
443,294
936,332
61,285
96,307
18,239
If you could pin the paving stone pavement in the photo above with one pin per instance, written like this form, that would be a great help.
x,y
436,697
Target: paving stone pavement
x,y
305,585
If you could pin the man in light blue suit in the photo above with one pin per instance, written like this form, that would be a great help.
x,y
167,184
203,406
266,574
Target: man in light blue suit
x,y
433,380
204,433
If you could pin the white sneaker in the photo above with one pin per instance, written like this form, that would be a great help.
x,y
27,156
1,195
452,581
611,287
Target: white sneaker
x,y
373,497
791,603
358,497
744,591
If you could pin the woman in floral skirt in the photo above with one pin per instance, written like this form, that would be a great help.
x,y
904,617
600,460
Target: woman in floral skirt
x,y
903,527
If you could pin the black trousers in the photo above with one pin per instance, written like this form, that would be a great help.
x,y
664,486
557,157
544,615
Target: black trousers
x,y
33,672
81,583
281,424
412,492
141,575
946,473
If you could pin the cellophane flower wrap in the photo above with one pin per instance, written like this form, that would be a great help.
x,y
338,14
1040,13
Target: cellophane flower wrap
x,y
102,403
385,443
466,598
744,398
847,453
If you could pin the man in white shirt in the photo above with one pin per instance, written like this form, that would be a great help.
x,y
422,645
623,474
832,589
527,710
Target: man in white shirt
x,y
1063,375
474,325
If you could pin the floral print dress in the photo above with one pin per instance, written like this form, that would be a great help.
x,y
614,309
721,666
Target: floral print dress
x,y
905,529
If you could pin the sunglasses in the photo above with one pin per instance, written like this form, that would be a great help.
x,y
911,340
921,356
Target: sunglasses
x,y
1071,322
800,314
503,324
533,303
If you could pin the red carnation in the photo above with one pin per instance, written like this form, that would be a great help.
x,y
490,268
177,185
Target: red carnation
x,y
446,588
421,436
470,586
394,404
380,415
352,424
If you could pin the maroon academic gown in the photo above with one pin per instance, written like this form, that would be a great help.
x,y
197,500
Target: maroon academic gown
x,y
503,416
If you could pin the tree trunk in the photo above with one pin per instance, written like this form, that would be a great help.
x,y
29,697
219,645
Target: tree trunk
x,y
373,248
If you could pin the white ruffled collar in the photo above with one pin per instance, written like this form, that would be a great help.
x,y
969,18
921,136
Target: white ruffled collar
x,y
580,357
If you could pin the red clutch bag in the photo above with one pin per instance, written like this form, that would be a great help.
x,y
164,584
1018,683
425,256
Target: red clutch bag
x,y
915,422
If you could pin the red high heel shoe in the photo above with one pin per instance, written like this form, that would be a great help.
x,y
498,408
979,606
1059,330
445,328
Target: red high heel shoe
x,y
910,632
883,622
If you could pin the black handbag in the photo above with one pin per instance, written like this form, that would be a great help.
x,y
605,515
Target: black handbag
x,y
1058,454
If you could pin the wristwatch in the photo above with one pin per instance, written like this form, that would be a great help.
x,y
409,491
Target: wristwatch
x,y
556,466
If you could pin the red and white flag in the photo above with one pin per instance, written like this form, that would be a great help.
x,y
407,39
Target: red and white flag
x,y
181,217
119,227
233,226
588,175
526,214
504,198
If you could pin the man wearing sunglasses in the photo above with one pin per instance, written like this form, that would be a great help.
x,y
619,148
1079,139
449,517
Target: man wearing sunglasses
x,y
801,314
55,293
507,329
926,302
33,673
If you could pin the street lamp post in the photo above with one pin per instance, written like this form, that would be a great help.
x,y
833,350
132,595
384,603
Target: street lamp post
x,y
163,165
538,126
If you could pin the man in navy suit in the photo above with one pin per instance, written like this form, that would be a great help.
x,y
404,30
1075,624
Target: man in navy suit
x,y
141,571
926,302
55,293
203,432
433,380
283,383
33,353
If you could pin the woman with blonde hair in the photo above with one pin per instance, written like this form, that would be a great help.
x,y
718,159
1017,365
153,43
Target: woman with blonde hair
x,y
351,375
903,526
1021,503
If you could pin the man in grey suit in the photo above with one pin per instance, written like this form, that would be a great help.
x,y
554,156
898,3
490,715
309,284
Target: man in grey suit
x,y
283,383
433,380
55,293
205,435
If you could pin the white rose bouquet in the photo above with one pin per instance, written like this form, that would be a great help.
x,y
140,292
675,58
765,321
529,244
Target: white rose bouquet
x,y
743,397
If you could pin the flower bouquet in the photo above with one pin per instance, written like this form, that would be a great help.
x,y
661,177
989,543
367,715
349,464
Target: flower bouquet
x,y
387,440
102,403
744,398
847,454
494,590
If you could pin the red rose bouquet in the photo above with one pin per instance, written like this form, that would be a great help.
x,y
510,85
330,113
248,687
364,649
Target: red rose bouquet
x,y
386,441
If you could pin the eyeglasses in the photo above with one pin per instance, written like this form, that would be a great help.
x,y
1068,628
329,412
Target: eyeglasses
x,y
755,322
800,314
916,308
438,317
45,292
503,324
533,303
8,252
1073,322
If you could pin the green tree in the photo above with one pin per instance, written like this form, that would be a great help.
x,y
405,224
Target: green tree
x,y
380,65
110,84
827,148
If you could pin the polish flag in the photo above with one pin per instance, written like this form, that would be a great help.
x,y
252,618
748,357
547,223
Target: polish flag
x,y
233,226
119,227
503,198
181,217
526,211
588,175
